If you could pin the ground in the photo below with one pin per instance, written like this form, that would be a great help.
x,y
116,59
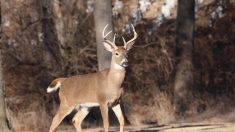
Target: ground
x,y
184,127
206,122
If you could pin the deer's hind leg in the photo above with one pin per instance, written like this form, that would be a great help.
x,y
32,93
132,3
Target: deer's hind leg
x,y
60,115
79,117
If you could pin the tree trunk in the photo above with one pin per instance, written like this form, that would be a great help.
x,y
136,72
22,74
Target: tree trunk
x,y
3,116
102,16
59,24
184,47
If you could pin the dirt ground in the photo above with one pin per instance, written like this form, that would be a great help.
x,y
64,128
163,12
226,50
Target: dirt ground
x,y
206,122
184,127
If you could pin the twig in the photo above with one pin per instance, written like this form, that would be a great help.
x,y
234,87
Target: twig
x,y
146,45
23,62
30,24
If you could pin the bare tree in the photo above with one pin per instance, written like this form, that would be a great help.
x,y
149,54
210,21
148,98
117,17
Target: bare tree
x,y
102,16
3,116
59,24
184,48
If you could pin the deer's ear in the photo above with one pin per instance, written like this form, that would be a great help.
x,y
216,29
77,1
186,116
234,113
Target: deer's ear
x,y
130,45
108,46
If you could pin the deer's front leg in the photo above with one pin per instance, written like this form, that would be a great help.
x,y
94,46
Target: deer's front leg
x,y
118,112
105,116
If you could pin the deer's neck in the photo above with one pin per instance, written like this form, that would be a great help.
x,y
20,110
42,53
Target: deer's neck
x,y
116,74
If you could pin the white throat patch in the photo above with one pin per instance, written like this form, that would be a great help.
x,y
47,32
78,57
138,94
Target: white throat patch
x,y
116,66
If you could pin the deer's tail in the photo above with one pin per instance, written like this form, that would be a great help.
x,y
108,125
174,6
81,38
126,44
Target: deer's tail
x,y
55,84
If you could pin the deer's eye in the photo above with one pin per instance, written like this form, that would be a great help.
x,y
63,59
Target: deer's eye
x,y
117,54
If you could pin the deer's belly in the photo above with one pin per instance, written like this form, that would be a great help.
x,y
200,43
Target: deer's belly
x,y
86,105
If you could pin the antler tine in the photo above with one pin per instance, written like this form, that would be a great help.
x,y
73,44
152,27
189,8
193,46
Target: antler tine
x,y
104,36
135,35
106,40
124,41
114,37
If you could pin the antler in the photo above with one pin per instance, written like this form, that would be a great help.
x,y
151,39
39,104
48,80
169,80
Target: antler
x,y
133,39
108,41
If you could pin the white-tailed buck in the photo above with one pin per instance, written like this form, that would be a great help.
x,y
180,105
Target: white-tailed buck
x,y
102,88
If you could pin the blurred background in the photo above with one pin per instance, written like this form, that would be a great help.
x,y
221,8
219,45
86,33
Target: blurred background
x,y
181,68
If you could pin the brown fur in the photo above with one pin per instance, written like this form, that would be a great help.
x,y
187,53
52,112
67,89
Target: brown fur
x,y
55,81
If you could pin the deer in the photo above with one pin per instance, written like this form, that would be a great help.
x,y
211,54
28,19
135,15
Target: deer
x,y
100,89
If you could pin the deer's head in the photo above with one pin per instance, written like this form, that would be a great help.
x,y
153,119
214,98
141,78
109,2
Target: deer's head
x,y
119,53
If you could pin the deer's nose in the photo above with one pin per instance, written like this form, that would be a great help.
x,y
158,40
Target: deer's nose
x,y
125,64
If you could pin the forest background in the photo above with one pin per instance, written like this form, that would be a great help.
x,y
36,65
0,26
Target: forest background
x,y
178,72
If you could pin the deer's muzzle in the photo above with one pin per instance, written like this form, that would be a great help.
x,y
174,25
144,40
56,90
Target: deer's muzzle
x,y
125,64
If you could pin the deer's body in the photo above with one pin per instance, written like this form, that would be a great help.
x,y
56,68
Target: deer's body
x,y
101,89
